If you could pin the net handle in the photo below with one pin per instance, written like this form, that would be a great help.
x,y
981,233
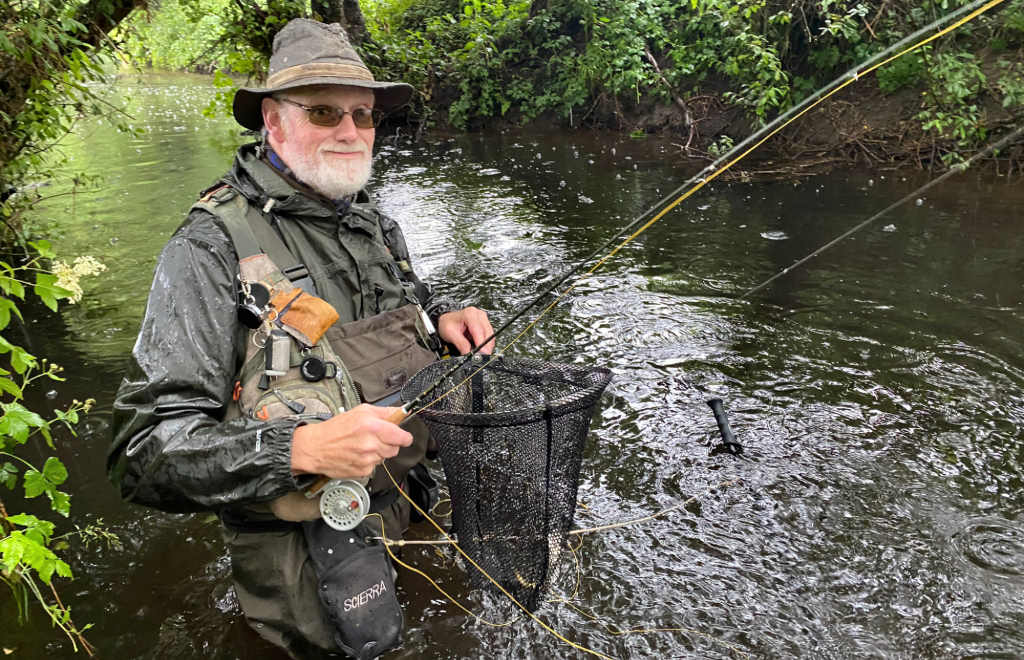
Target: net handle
x,y
395,418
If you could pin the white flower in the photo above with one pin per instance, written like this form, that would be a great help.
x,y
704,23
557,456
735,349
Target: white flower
x,y
68,277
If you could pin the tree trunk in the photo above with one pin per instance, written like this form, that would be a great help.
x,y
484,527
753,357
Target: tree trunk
x,y
354,22
346,12
328,11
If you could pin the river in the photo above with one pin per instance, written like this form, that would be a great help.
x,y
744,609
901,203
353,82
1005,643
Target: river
x,y
878,391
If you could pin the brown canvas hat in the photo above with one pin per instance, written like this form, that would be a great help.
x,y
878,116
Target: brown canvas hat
x,y
310,53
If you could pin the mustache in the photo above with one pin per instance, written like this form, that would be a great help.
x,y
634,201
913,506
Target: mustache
x,y
359,148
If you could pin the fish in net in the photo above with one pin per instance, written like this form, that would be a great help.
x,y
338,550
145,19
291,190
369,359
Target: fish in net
x,y
510,434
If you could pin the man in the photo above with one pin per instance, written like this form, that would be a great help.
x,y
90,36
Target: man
x,y
184,437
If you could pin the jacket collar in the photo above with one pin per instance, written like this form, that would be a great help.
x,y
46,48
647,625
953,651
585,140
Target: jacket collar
x,y
255,178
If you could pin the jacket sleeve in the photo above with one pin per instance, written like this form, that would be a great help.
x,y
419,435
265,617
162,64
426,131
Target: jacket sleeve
x,y
172,448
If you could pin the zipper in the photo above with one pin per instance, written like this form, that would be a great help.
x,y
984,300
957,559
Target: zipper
x,y
294,406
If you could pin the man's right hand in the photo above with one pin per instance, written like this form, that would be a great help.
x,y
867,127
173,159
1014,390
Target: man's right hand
x,y
348,445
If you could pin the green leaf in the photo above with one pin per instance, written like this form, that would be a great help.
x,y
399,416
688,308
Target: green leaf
x,y
9,475
12,549
64,571
60,502
48,291
54,471
70,417
21,359
35,483
11,286
6,307
43,246
19,548
18,421
7,385
36,529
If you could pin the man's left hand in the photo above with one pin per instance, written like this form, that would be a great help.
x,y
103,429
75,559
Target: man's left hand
x,y
465,329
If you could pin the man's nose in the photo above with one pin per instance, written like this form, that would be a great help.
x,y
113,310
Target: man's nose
x,y
346,131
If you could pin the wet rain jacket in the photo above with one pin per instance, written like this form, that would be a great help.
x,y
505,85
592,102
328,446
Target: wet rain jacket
x,y
172,448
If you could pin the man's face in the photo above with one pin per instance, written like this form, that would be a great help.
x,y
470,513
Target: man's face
x,y
334,161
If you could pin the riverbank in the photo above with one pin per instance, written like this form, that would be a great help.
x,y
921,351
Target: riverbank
x,y
861,126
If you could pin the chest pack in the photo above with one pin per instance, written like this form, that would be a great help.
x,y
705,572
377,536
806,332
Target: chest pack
x,y
288,369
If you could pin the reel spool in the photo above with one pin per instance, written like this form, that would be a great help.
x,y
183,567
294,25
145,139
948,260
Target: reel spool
x,y
344,503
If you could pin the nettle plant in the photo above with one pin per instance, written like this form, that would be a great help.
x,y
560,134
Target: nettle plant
x,y
29,562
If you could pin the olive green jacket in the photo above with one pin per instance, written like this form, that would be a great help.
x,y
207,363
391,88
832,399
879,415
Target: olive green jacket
x,y
172,448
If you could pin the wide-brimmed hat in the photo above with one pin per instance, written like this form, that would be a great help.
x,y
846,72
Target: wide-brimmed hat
x,y
305,53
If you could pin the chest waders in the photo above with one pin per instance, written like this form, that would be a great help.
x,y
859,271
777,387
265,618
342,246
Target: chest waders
x,y
308,372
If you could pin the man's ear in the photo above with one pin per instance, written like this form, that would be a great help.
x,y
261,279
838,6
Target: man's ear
x,y
272,119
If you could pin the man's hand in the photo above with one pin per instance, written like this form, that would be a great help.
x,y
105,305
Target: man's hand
x,y
348,445
465,326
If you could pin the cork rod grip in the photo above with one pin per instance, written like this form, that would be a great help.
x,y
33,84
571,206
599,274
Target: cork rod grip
x,y
396,418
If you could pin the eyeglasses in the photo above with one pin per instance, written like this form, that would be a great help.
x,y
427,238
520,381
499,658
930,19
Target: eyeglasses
x,y
330,116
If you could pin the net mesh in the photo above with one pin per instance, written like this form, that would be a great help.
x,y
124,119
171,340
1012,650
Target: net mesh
x,y
511,439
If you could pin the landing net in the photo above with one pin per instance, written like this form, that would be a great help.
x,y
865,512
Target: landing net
x,y
511,434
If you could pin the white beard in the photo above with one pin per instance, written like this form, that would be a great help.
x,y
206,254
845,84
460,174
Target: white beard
x,y
335,180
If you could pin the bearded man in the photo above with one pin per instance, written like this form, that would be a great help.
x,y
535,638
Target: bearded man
x,y
280,310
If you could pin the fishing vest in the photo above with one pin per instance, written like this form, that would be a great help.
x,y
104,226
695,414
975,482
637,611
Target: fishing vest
x,y
305,362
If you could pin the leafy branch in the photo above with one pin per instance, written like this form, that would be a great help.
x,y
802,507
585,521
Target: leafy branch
x,y
28,559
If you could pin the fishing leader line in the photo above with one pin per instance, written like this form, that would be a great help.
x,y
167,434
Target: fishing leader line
x,y
955,169
644,221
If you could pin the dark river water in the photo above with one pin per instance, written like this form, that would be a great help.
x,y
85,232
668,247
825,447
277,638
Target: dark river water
x,y
879,392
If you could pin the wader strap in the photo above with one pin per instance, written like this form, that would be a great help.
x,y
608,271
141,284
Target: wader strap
x,y
242,236
252,234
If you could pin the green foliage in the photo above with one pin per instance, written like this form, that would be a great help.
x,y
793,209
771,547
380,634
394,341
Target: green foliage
x,y
1011,83
180,35
722,145
51,75
27,543
519,59
908,71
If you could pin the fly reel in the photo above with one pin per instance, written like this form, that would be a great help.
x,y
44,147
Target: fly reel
x,y
344,503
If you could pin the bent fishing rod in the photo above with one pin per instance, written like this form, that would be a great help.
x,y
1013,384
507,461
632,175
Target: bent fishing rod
x,y
642,222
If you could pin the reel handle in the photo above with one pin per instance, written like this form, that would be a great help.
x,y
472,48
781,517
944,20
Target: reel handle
x,y
396,418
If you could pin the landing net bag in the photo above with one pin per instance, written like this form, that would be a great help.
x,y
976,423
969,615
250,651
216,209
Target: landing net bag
x,y
511,439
